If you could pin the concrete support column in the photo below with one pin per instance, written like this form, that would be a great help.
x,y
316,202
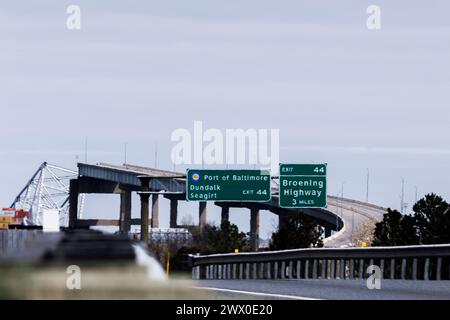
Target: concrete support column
x,y
225,214
254,229
144,216
73,203
173,213
201,214
155,211
125,211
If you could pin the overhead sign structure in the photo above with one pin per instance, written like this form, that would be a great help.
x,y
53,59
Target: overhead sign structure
x,y
303,186
228,185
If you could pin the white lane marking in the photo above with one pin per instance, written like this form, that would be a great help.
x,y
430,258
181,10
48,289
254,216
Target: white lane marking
x,y
274,295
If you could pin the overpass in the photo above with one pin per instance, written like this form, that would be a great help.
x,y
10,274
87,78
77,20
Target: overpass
x,y
342,215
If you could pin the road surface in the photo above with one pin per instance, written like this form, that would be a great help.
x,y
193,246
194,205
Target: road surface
x,y
324,289
354,214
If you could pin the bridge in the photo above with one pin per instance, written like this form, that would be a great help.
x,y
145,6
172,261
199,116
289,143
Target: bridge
x,y
342,215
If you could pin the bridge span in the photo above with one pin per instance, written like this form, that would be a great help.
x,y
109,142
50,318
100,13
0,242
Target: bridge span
x,y
342,215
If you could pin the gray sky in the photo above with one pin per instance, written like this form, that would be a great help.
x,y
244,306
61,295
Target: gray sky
x,y
137,70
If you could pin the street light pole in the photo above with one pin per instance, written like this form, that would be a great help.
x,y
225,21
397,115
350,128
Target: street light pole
x,y
367,186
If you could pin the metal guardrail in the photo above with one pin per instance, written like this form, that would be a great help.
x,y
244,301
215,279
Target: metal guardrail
x,y
427,262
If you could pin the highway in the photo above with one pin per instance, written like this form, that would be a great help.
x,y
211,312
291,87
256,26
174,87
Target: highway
x,y
324,289
354,214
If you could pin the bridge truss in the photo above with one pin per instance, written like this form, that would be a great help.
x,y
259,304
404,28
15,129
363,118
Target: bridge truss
x,y
48,188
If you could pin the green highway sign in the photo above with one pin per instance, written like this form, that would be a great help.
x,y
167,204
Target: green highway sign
x,y
228,185
303,186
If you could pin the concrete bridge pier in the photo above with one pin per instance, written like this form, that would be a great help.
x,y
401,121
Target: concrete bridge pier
x,y
125,211
145,213
254,229
155,210
144,216
225,214
201,214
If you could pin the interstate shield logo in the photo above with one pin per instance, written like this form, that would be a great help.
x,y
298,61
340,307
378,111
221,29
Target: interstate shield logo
x,y
195,177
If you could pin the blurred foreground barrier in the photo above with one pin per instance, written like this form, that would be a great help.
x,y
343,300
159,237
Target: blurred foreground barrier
x,y
425,262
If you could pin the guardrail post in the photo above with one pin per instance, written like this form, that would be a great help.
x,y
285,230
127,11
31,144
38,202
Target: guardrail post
x,y
233,272
224,271
351,270
261,270
255,271
392,268
283,269
229,271
299,269
306,268
268,266
315,269
323,272
426,275
247,271
342,269
414,269
382,268
361,269
403,269
241,271
439,268
290,270
332,268
196,273
275,270
219,272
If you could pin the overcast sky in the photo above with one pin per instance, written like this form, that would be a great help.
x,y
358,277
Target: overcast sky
x,y
137,70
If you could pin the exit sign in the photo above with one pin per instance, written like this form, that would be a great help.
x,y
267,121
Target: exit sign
x,y
228,185
303,186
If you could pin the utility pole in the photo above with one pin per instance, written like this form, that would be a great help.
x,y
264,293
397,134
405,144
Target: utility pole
x,y
85,149
337,211
402,201
367,186
415,194
125,154
156,155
